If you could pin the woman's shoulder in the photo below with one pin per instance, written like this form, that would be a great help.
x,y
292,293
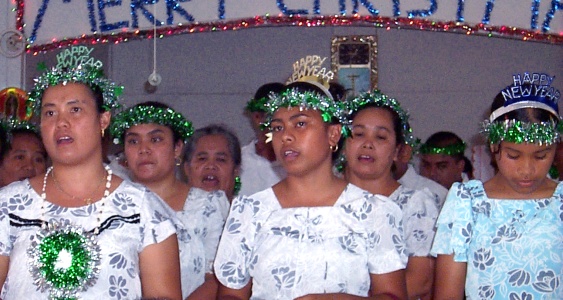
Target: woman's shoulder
x,y
355,194
417,198
559,190
473,183
259,201
135,195
198,198
18,196
130,188
473,187
22,187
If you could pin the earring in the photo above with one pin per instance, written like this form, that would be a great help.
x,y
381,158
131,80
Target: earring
x,y
103,132
178,161
333,148
238,185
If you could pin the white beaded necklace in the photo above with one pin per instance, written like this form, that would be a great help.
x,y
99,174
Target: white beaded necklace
x,y
106,193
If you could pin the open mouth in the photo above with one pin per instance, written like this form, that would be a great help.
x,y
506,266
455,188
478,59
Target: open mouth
x,y
64,140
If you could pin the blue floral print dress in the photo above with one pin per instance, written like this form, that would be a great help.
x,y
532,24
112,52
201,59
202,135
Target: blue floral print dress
x,y
292,252
132,219
513,248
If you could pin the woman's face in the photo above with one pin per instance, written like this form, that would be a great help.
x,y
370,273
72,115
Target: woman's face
x,y
151,152
26,159
71,124
302,140
523,167
372,148
212,166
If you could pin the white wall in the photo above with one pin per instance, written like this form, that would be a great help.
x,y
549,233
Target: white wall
x,y
10,68
447,81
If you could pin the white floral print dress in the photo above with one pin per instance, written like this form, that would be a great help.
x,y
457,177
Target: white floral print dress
x,y
420,211
132,219
203,218
292,252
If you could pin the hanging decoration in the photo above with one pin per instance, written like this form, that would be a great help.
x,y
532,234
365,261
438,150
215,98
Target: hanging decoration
x,y
154,78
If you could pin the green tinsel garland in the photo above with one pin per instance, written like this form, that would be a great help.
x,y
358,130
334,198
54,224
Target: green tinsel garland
x,y
149,114
86,74
452,149
328,108
378,99
255,105
522,132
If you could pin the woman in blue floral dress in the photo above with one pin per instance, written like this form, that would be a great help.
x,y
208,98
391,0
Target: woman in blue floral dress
x,y
311,235
503,239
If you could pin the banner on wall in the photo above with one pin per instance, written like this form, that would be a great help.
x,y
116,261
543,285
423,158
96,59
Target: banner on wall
x,y
51,22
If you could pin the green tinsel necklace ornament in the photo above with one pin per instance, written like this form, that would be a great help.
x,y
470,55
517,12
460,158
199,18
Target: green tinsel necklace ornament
x,y
64,258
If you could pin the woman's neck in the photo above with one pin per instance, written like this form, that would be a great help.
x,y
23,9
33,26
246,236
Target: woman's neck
x,y
316,188
384,185
78,176
171,189
498,187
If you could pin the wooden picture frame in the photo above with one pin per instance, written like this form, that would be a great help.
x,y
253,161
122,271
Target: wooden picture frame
x,y
354,62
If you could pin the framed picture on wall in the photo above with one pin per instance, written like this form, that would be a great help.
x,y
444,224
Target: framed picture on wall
x,y
354,62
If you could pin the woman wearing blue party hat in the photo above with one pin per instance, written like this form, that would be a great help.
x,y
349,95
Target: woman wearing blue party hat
x,y
503,239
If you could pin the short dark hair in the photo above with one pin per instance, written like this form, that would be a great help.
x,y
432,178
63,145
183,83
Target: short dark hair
x,y
267,88
442,139
214,129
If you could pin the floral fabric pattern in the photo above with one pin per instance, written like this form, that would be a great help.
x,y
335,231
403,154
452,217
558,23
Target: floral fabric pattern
x,y
292,252
121,242
203,218
420,211
513,248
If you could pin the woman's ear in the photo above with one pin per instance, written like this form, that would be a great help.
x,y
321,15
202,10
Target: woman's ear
x,y
405,153
334,134
105,119
494,148
178,148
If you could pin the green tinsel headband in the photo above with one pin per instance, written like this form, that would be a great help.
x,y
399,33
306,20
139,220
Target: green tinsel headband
x,y
145,114
522,132
12,124
453,149
85,74
378,99
328,108
255,105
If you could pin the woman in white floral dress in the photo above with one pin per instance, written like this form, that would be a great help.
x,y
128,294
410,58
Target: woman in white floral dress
x,y
379,127
77,231
154,136
311,235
